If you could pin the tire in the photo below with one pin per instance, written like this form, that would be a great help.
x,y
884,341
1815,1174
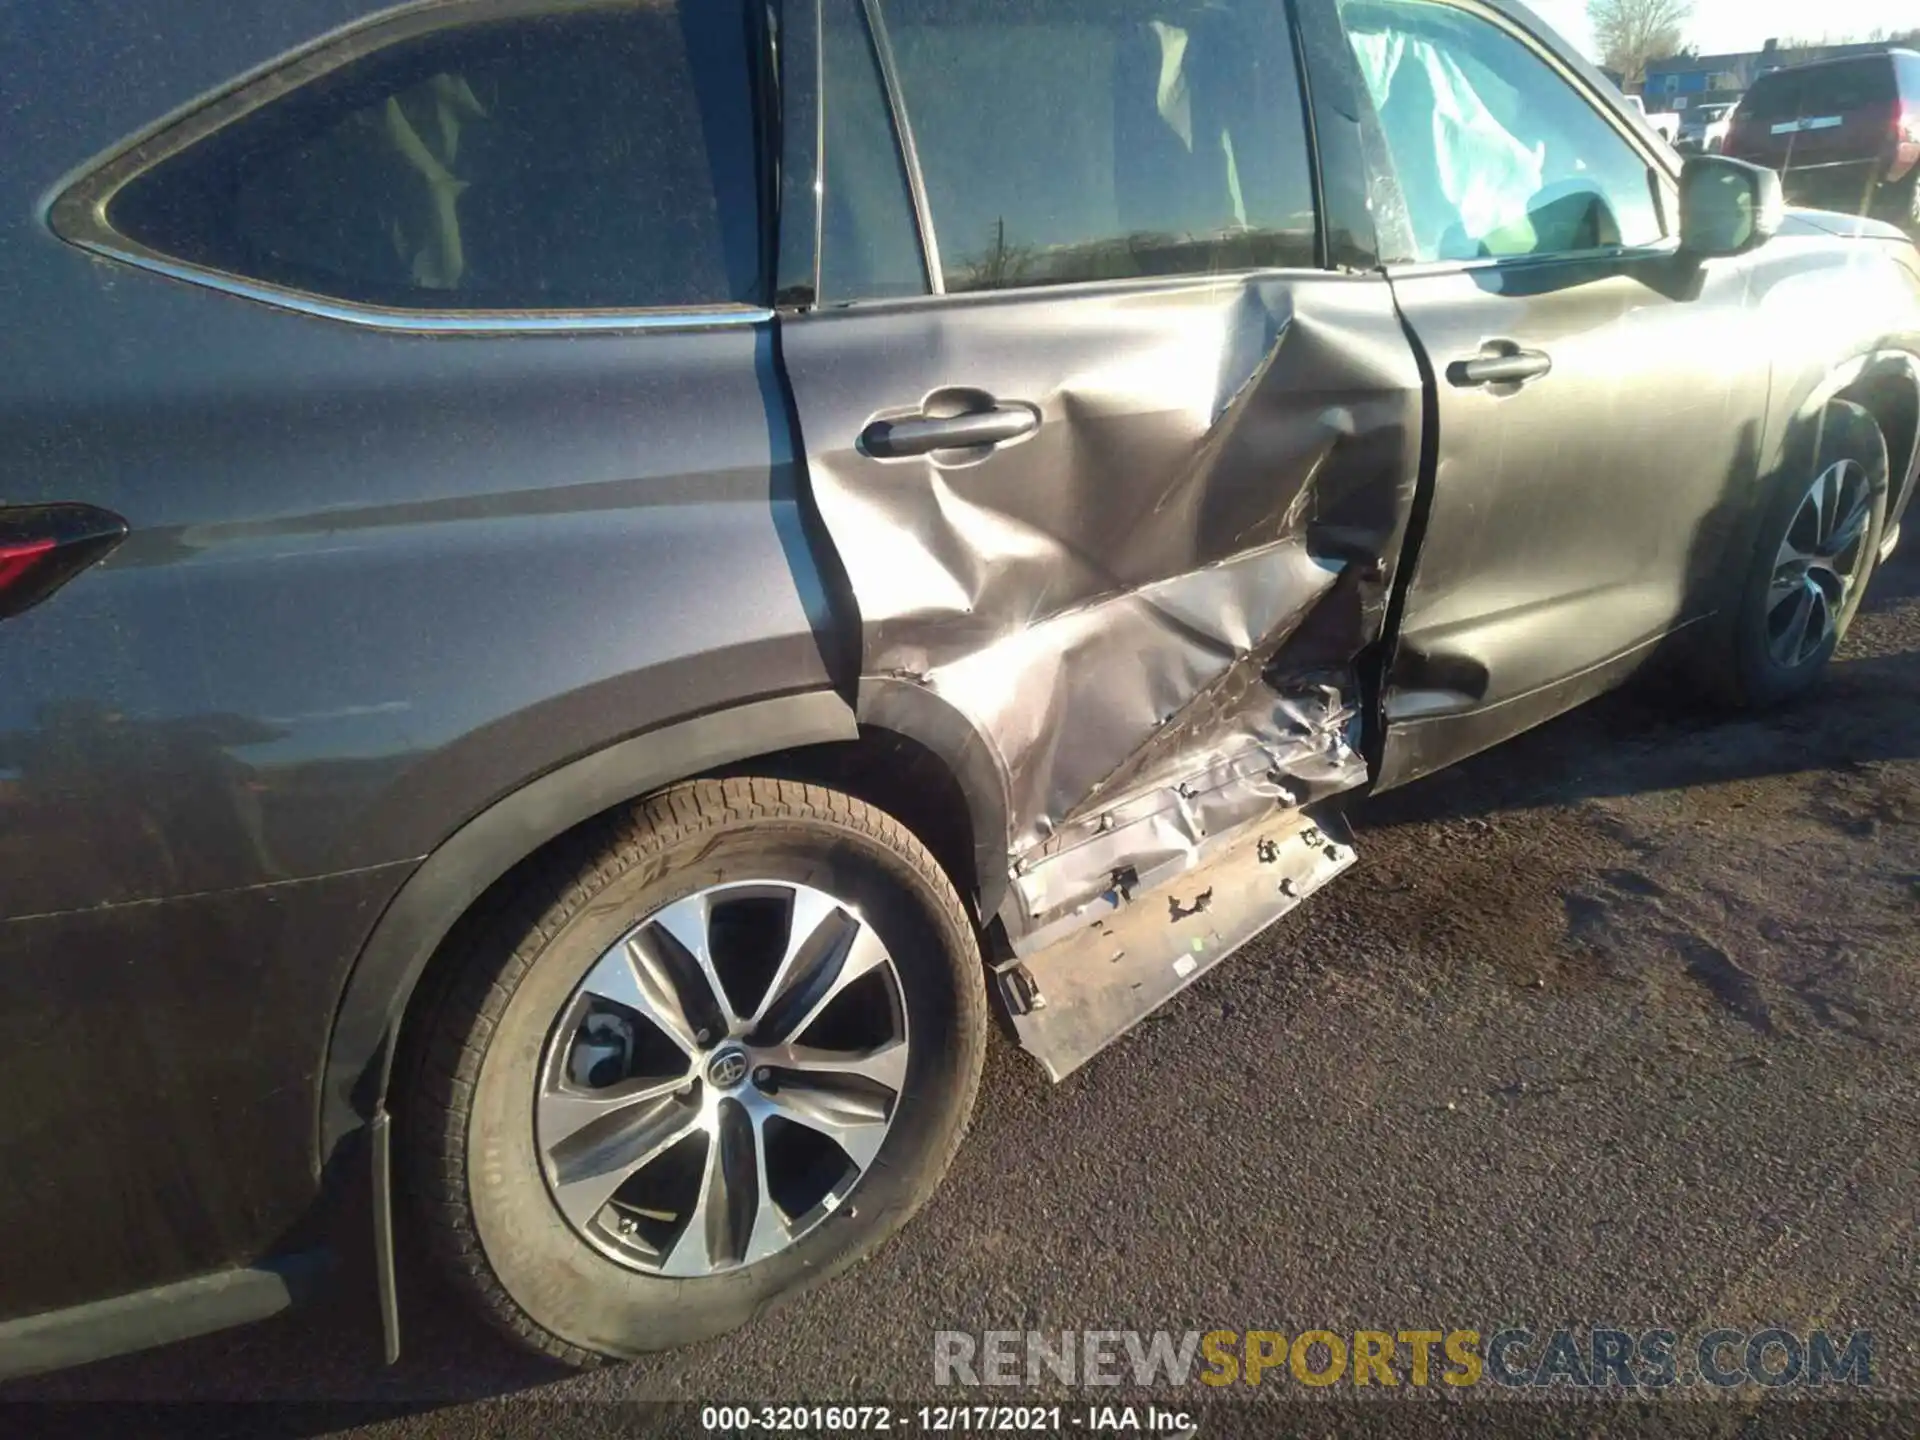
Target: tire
x,y
1747,668
1900,204
483,1165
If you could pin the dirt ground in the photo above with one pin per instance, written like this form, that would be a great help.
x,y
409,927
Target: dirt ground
x,y
1617,1024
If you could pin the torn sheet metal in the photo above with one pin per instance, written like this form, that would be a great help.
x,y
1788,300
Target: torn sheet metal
x,y
1152,607
1290,754
1077,997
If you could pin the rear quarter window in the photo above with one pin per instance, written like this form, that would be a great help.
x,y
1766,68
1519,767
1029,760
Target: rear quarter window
x,y
1845,88
1773,97
597,158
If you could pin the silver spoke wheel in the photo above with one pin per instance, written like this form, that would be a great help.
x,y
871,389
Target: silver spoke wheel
x,y
1819,563
722,1078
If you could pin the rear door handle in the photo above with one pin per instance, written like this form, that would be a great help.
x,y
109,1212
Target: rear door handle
x,y
1500,363
923,434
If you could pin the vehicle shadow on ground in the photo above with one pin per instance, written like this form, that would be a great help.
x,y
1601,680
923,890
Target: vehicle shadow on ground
x,y
1655,735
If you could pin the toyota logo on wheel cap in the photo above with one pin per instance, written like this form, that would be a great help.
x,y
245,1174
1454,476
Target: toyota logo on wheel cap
x,y
728,1069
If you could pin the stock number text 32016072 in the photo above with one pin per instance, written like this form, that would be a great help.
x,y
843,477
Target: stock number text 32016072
x,y
941,1419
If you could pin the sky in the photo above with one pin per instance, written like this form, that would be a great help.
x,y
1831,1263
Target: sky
x,y
1721,27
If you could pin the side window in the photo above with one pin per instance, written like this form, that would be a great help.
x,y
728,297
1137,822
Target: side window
x,y
869,242
1061,141
1833,91
592,158
1773,98
1497,154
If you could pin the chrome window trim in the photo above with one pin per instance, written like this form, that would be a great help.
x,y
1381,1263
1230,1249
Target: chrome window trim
x,y
1661,251
1116,287
456,322
77,213
909,151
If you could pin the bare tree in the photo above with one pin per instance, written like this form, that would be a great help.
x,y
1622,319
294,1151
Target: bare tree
x,y
1829,38
1632,32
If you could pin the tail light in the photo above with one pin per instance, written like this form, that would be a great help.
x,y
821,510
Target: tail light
x,y
42,547
19,559
1906,139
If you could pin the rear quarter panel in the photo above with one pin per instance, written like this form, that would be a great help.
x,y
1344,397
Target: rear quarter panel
x,y
374,582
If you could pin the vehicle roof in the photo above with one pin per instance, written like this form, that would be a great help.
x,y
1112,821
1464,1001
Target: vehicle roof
x,y
1832,62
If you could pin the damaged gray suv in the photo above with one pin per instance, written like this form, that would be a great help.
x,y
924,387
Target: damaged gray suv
x,y
590,586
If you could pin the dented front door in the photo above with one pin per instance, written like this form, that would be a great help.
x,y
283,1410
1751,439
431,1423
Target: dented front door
x,y
1599,396
1134,532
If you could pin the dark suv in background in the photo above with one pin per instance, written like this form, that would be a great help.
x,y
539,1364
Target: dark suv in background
x,y
586,584
1844,134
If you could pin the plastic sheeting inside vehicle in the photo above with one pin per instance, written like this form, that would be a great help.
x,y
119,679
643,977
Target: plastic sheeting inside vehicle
x,y
1151,608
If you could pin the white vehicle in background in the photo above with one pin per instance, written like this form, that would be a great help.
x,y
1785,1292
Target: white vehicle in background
x,y
1667,122
1703,129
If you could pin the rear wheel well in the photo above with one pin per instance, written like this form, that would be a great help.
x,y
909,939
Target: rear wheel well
x,y
899,775
888,771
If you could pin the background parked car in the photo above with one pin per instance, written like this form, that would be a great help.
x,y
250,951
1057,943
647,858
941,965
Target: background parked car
x,y
1666,123
1703,129
1844,134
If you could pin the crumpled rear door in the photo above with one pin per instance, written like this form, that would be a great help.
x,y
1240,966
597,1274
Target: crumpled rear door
x,y
1136,532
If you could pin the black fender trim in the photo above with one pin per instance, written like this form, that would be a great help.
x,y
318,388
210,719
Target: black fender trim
x,y
360,1051
912,709
359,1062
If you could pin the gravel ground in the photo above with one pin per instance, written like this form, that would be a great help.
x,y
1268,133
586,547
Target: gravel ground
x,y
1616,1024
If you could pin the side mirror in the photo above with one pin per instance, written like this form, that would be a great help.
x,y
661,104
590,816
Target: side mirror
x,y
1728,207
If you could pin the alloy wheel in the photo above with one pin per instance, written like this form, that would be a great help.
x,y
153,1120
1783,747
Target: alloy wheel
x,y
722,1078
1819,564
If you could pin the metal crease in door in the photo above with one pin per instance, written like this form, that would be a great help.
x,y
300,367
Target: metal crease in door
x,y
1151,606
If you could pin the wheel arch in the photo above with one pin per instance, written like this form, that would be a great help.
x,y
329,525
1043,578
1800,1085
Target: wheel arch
x,y
1889,390
899,739
901,748
464,866
1883,382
